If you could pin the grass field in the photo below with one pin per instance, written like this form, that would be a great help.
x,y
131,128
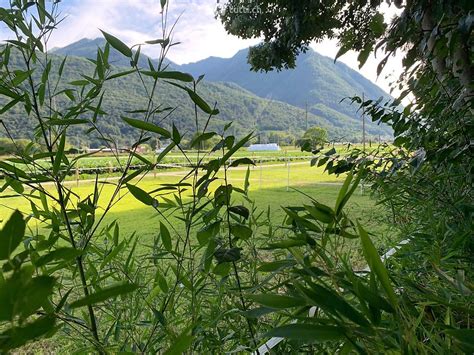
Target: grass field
x,y
271,186
268,188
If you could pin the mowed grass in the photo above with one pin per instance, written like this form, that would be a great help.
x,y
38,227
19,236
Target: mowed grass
x,y
271,186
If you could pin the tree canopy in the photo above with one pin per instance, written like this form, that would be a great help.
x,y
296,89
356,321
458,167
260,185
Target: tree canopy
x,y
434,38
313,138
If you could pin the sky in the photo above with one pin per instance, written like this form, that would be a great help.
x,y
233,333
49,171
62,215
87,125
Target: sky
x,y
199,33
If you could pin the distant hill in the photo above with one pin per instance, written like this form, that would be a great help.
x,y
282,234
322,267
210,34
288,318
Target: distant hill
x,y
248,111
87,48
317,82
250,104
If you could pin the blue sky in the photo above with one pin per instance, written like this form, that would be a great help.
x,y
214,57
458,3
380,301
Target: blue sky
x,y
200,34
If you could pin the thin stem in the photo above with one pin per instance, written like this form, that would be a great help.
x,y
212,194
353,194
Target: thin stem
x,y
236,272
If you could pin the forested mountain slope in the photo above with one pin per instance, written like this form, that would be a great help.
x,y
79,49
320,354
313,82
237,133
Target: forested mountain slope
x,y
246,108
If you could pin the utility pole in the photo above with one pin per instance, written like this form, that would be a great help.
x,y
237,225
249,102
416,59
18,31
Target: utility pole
x,y
306,119
363,139
363,122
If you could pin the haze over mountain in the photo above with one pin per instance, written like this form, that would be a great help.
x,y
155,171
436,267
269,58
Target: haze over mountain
x,y
254,101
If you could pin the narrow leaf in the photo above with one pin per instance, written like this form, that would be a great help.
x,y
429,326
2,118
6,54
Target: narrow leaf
x,y
376,265
117,44
11,235
277,301
165,237
147,126
141,195
105,294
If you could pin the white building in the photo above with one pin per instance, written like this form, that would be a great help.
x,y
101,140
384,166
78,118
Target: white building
x,y
264,147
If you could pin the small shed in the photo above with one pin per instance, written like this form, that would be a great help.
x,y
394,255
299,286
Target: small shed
x,y
264,147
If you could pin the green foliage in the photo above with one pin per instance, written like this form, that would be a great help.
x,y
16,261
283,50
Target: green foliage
x,y
220,275
11,235
355,25
104,294
22,293
313,138
426,182
83,275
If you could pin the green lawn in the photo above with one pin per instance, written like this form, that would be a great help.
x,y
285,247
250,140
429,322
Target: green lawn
x,y
268,188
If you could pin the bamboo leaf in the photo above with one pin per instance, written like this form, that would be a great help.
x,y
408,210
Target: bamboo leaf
x,y
376,265
11,235
58,254
59,154
175,75
165,237
105,294
181,343
147,126
142,195
118,44
278,301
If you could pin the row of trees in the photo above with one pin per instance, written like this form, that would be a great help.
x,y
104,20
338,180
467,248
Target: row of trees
x,y
316,135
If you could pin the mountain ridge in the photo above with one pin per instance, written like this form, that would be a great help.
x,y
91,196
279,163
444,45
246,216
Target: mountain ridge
x,y
308,81
248,111
250,106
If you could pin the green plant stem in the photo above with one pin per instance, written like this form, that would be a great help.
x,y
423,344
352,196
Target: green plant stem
x,y
61,201
236,272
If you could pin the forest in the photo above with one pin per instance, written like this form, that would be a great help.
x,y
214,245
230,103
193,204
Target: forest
x,y
200,245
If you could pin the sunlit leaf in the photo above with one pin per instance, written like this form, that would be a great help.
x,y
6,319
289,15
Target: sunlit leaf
x,y
141,195
118,44
376,265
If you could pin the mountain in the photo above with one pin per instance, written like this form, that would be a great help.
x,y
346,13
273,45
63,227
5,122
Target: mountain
x,y
87,48
263,103
317,83
248,111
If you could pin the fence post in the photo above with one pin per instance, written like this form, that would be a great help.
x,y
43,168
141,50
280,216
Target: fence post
x,y
77,173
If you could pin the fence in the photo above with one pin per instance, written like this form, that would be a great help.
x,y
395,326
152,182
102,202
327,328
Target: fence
x,y
114,169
